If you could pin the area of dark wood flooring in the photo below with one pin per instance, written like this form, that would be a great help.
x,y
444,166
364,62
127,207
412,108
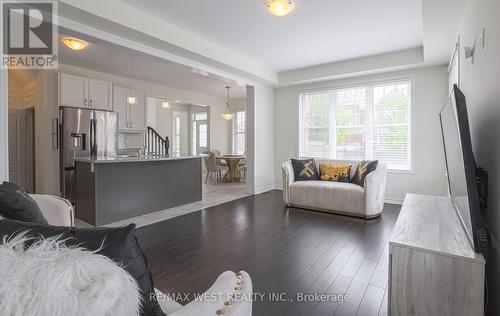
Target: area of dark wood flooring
x,y
285,250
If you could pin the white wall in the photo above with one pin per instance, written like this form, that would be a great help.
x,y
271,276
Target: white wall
x,y
260,140
480,84
430,86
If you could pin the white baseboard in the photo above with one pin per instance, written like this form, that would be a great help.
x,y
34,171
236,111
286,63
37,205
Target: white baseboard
x,y
264,189
393,201
278,187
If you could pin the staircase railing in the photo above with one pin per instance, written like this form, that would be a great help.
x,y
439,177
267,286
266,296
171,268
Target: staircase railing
x,y
155,144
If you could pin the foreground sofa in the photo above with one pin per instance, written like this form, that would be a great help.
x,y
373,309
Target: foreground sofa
x,y
337,197
229,286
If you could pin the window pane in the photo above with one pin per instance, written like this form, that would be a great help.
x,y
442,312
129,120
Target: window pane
x,y
203,135
391,131
239,132
315,123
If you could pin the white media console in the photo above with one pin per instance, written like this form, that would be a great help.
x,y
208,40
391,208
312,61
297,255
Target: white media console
x,y
433,269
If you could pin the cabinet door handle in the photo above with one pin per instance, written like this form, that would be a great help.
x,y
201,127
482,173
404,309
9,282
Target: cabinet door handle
x,y
90,101
131,124
85,101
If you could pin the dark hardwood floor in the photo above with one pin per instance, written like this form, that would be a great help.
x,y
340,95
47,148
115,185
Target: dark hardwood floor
x,y
284,250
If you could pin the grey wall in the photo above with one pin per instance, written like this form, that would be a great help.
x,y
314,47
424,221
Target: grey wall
x,y
480,83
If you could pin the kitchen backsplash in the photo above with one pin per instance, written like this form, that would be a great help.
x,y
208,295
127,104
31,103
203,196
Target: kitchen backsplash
x,y
130,141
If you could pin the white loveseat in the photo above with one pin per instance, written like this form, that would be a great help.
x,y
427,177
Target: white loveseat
x,y
337,197
59,211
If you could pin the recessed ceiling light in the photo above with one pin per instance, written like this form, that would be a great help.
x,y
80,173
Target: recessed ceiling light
x,y
75,44
280,7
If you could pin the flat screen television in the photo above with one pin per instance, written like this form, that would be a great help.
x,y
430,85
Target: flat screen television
x,y
462,170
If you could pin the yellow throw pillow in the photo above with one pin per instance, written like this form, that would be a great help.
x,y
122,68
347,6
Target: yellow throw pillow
x,y
334,172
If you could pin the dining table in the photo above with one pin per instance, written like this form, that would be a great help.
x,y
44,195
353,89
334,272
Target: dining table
x,y
233,173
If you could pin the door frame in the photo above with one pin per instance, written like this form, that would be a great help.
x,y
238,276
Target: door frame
x,y
31,148
4,125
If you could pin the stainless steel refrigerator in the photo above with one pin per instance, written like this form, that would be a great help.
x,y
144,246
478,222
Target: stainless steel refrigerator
x,y
84,133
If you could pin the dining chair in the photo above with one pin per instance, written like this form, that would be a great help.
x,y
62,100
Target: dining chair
x,y
219,162
211,166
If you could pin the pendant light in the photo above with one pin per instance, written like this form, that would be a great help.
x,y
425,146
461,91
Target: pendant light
x,y
228,114
131,99
165,104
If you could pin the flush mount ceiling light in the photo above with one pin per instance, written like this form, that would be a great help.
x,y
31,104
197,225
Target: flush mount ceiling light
x,y
74,43
228,114
165,104
280,7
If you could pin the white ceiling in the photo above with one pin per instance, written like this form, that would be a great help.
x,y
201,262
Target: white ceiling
x,y
316,32
109,58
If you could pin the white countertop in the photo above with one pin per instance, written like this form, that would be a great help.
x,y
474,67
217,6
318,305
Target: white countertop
x,y
118,159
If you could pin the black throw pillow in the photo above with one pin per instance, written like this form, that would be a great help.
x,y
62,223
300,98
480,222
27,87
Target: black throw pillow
x,y
16,204
118,244
364,168
304,169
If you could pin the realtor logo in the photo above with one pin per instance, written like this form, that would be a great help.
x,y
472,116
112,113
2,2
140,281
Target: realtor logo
x,y
29,34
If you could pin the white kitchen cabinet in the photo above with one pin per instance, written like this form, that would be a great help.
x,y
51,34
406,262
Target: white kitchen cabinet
x,y
120,106
131,117
137,117
72,90
100,95
81,92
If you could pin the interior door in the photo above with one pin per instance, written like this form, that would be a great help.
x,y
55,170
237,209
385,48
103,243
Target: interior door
x,y
100,94
73,91
201,136
17,147
120,106
137,112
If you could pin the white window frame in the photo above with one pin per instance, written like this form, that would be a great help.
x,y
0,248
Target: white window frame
x,y
362,83
234,130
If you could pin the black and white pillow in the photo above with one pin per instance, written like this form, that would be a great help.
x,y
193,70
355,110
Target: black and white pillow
x,y
304,169
364,168
16,204
118,244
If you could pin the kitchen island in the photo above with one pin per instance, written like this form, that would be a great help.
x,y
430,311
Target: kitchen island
x,y
111,189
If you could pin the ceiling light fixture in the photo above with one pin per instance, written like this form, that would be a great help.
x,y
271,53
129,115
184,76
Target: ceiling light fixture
x,y
131,100
74,43
228,114
165,104
280,7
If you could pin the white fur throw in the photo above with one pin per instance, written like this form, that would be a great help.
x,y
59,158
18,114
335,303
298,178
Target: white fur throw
x,y
49,278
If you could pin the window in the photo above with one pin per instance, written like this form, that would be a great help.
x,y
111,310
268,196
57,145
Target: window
x,y
356,123
177,137
239,132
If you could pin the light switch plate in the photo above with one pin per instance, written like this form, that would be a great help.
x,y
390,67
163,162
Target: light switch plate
x,y
481,39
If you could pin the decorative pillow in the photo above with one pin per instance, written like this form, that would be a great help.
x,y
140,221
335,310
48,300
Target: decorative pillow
x,y
50,278
304,169
16,204
364,168
334,172
118,244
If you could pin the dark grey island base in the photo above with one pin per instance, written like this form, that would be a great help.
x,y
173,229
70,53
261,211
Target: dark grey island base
x,y
114,189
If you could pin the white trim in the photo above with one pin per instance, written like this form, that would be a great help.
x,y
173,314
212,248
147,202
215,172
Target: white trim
x,y
361,83
393,201
4,125
264,189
